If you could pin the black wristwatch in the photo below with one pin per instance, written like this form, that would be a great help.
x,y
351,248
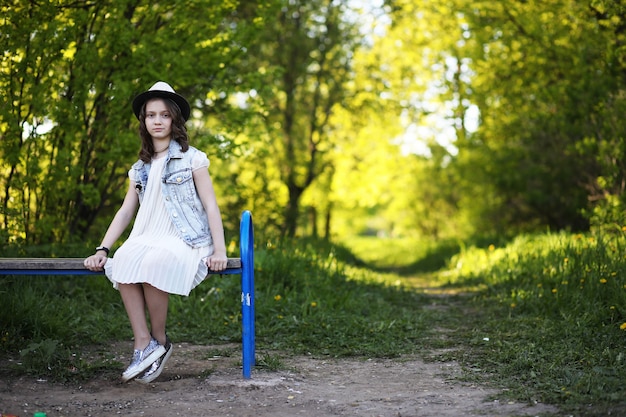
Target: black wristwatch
x,y
104,248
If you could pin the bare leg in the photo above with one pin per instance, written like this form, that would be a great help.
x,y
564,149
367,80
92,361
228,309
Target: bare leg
x,y
157,302
135,304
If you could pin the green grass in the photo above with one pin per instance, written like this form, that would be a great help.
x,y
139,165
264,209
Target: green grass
x,y
45,321
553,308
540,318
308,301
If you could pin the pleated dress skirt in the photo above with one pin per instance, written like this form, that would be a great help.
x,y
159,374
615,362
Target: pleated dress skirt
x,y
154,253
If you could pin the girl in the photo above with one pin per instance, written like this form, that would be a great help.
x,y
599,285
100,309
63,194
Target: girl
x,y
177,234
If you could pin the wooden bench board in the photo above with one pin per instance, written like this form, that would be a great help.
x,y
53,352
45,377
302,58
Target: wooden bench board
x,y
67,264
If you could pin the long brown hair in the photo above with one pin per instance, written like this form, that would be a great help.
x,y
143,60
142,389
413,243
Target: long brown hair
x,y
179,131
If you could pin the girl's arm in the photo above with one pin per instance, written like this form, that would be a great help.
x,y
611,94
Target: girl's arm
x,y
204,185
119,223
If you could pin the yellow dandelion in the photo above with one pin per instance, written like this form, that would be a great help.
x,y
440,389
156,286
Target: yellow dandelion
x,y
554,290
313,304
613,274
603,281
612,308
566,260
623,228
279,316
492,248
623,326
277,297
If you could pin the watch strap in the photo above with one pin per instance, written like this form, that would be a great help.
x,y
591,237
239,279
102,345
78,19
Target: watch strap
x,y
104,248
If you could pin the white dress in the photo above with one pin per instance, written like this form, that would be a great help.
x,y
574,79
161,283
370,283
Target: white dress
x,y
154,253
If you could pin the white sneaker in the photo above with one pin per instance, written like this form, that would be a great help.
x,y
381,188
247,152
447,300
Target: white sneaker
x,y
142,359
157,366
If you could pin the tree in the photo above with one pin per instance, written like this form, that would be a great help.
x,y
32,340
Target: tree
x,y
73,68
545,77
304,59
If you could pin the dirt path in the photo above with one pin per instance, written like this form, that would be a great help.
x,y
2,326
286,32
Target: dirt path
x,y
197,384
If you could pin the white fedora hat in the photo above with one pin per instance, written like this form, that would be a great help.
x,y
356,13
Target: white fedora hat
x,y
162,89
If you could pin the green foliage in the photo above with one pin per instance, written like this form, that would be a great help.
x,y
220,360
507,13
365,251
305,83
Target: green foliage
x,y
47,358
607,216
68,74
270,362
305,68
308,110
549,319
530,97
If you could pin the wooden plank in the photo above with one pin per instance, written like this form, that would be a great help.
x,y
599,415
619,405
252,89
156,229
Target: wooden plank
x,y
41,264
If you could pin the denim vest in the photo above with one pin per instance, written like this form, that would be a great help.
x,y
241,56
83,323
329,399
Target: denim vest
x,y
179,195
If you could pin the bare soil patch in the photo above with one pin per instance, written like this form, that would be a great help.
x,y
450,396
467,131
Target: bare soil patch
x,y
195,383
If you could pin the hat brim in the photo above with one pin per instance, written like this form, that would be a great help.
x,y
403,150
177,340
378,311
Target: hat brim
x,y
142,98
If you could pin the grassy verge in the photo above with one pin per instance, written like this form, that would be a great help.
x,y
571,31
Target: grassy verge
x,y
308,301
541,317
553,310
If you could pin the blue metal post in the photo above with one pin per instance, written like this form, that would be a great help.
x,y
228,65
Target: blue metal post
x,y
246,248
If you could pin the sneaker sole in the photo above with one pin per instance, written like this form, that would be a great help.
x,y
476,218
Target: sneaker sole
x,y
156,373
147,361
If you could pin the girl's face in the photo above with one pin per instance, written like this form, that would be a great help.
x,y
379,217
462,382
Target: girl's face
x,y
158,120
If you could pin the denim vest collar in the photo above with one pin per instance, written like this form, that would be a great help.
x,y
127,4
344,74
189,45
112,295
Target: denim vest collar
x,y
179,195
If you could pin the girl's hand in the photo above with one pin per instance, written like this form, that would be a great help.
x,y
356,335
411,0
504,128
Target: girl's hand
x,y
217,261
95,262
